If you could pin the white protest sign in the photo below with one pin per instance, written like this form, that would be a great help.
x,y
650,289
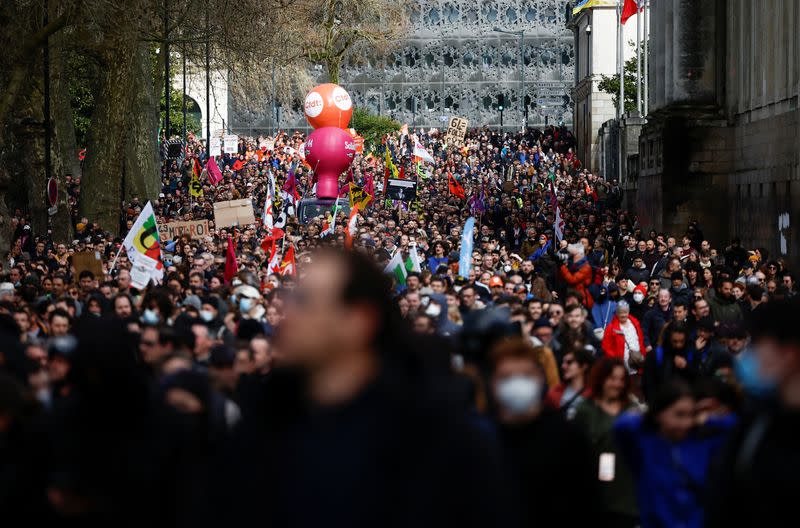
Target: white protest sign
x,y
216,146
230,144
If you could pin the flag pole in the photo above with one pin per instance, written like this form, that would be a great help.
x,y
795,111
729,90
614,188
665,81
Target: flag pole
x,y
114,262
638,61
620,62
646,22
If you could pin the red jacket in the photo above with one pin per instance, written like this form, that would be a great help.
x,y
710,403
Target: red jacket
x,y
614,339
579,280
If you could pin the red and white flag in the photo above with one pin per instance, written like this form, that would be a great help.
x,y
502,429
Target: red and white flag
x,y
352,228
288,266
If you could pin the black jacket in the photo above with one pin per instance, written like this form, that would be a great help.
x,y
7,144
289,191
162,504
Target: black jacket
x,y
550,466
750,483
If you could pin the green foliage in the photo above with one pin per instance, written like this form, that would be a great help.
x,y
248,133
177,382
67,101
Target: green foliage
x,y
82,81
372,127
176,113
610,85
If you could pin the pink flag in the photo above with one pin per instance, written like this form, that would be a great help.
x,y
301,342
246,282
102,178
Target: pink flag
x,y
214,174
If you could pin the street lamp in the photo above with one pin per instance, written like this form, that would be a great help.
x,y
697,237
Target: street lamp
x,y
521,35
501,117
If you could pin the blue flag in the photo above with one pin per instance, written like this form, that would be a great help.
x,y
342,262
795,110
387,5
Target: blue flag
x,y
465,259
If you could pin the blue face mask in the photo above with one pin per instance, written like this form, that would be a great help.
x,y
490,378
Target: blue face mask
x,y
245,304
206,315
150,316
753,382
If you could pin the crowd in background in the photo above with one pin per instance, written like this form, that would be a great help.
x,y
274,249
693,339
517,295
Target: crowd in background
x,y
583,369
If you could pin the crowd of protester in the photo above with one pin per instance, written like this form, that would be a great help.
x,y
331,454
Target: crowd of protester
x,y
584,370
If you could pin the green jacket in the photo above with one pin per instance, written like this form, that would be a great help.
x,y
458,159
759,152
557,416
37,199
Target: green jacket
x,y
618,495
723,310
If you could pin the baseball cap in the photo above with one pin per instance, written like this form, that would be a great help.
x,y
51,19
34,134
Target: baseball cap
x,y
495,281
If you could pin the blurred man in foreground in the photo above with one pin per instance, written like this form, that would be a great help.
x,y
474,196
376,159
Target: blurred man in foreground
x,y
756,481
352,437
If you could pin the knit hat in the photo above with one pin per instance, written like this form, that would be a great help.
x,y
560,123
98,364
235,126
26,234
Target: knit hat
x,y
641,288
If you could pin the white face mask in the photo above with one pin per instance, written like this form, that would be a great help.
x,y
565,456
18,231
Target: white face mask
x,y
518,394
433,309
638,297
150,316
206,315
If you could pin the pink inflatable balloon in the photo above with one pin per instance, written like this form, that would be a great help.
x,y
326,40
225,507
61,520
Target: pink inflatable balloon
x,y
329,151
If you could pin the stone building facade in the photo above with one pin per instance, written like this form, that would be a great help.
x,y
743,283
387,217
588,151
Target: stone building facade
x,y
722,142
595,35
454,63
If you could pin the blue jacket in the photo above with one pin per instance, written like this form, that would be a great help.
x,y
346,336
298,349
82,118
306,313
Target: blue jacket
x,y
670,477
603,313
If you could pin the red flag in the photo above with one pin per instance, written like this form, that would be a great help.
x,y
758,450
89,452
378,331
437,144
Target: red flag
x,y
402,175
231,266
455,187
214,174
628,10
237,165
288,266
268,243
197,168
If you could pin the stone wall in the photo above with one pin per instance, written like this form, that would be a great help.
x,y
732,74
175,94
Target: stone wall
x,y
723,147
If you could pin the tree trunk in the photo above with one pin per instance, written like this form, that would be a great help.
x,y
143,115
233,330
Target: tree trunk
x,y
62,110
64,145
5,224
29,134
333,64
101,186
142,173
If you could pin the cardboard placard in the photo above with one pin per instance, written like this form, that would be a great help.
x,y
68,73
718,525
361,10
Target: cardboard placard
x,y
88,260
230,144
216,146
404,190
456,130
234,213
173,230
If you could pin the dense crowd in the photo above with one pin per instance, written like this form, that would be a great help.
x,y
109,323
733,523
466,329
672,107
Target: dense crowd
x,y
574,368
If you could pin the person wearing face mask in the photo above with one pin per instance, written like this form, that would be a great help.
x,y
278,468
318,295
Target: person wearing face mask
x,y
437,310
547,461
246,299
639,307
750,477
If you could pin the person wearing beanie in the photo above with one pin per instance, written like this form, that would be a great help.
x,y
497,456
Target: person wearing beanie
x,y
638,302
680,290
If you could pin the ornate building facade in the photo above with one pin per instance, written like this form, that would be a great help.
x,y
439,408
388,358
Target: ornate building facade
x,y
455,63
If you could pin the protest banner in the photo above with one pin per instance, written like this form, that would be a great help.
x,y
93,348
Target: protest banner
x,y
403,190
173,230
88,260
234,213
456,130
